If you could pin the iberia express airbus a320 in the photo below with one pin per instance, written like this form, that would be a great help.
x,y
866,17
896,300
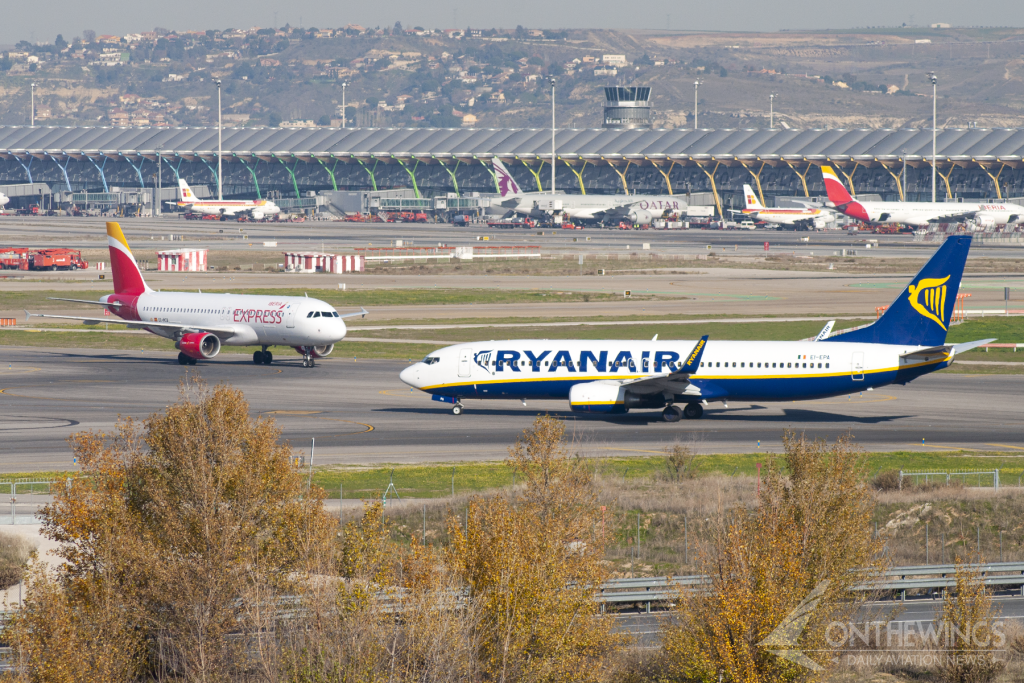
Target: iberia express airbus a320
x,y
200,323
682,377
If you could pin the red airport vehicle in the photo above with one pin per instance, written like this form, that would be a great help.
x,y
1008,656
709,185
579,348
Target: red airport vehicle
x,y
42,259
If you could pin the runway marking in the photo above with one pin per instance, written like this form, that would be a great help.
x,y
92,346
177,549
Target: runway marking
x,y
1003,445
292,412
632,450
878,399
952,448
369,427
6,390
18,371
395,392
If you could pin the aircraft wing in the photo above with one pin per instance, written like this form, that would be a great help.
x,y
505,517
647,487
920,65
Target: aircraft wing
x,y
953,217
362,312
675,381
945,349
223,332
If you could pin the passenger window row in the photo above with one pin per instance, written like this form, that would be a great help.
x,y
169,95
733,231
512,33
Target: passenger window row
x,y
718,364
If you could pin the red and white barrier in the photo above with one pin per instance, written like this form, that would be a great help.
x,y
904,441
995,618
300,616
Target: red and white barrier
x,y
182,260
316,262
100,265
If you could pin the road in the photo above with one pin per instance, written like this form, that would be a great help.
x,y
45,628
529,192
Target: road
x,y
359,412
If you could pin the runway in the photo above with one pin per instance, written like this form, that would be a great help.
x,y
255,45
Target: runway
x,y
360,413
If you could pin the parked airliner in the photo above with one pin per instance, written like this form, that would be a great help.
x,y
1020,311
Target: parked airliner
x,y
256,209
918,214
200,323
800,219
637,209
682,377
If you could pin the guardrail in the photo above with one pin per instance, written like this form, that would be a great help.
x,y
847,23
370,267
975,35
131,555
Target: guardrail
x,y
895,581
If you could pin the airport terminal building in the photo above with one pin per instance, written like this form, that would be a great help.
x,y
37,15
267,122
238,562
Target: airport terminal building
x,y
974,163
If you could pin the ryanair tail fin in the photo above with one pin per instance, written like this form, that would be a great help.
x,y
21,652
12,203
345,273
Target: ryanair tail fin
x,y
920,315
126,273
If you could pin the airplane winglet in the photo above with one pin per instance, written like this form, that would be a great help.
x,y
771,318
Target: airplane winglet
x,y
967,346
693,359
27,315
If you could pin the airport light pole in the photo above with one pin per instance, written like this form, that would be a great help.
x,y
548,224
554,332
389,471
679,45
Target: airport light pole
x,y
32,120
552,134
771,110
220,150
343,86
696,84
935,82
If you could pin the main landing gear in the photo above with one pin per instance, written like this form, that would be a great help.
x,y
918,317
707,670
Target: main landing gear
x,y
185,360
263,357
457,408
691,411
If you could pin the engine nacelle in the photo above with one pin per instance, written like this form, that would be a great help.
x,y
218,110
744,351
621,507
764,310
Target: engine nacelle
x,y
199,345
257,215
640,217
984,220
315,351
599,397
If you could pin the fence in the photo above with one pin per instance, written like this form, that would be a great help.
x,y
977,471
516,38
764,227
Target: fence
x,y
895,582
965,476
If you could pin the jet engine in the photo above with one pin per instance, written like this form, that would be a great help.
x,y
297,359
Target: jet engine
x,y
640,217
257,215
985,220
199,345
600,397
316,351
322,351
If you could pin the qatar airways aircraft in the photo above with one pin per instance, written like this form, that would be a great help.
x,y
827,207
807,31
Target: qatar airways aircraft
x,y
682,377
200,323
918,214
637,209
257,209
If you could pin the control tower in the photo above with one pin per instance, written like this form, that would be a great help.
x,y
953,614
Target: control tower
x,y
627,107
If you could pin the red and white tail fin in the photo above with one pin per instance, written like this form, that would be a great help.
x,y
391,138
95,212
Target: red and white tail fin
x,y
750,199
185,193
507,185
837,193
127,276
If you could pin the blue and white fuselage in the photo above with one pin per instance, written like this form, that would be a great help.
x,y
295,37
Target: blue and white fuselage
x,y
608,376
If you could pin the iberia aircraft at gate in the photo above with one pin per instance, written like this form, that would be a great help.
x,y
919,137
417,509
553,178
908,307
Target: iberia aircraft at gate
x,y
919,214
257,209
681,377
199,323
805,218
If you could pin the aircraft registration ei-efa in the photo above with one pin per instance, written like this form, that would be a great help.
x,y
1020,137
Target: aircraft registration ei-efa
x,y
200,323
682,377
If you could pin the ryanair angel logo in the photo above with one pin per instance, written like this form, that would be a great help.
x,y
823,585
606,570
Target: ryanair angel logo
x,y
928,298
483,359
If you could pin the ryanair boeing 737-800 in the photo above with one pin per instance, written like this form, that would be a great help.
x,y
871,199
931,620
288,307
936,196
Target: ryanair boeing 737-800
x,y
199,323
682,377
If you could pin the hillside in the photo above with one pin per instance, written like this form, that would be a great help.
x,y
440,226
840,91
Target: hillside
x,y
417,77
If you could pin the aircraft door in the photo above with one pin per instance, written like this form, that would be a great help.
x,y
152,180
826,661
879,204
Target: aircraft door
x,y
289,315
465,362
857,366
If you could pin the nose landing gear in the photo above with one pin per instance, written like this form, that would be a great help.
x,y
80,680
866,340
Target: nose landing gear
x,y
308,361
457,408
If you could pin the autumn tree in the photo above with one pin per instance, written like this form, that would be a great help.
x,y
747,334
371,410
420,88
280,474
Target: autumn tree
x,y
532,563
781,572
969,633
190,524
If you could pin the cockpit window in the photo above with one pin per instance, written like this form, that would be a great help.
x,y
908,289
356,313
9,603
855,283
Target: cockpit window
x,y
430,360
332,314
